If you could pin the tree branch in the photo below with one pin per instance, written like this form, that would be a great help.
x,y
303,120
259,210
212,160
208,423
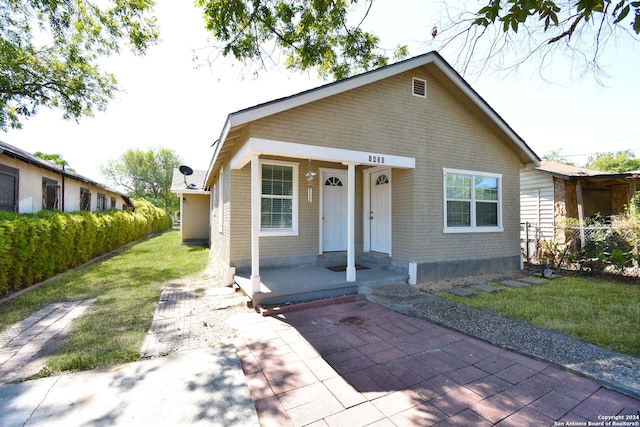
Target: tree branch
x,y
568,33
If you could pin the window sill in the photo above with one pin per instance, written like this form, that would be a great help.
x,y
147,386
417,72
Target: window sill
x,y
278,232
459,230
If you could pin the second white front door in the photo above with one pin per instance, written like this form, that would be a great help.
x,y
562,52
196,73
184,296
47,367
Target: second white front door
x,y
334,211
380,213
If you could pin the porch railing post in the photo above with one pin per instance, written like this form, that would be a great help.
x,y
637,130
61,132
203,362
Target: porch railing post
x,y
351,220
255,224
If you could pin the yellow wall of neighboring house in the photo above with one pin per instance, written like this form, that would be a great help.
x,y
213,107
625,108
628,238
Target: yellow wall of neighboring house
x,y
30,188
194,221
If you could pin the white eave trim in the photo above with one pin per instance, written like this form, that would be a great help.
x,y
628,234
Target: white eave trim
x,y
181,192
261,146
251,114
218,146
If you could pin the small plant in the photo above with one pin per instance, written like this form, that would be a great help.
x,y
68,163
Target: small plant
x,y
551,253
606,248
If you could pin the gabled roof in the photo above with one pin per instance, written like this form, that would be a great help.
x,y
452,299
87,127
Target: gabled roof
x,y
185,184
442,69
24,156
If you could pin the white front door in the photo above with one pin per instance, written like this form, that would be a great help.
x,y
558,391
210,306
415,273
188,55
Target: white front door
x,y
334,211
380,213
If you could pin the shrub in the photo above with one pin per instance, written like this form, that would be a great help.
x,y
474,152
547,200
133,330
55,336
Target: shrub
x,y
34,247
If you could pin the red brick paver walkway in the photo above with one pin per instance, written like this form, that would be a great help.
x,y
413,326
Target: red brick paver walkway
x,y
359,363
24,340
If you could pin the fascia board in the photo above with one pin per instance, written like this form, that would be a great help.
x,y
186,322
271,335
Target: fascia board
x,y
290,149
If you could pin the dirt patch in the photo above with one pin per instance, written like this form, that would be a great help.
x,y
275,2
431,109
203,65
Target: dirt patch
x,y
215,305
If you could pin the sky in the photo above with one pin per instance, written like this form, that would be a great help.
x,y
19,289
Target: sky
x,y
171,101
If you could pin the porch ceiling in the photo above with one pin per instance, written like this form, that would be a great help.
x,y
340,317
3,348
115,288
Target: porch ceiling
x,y
290,149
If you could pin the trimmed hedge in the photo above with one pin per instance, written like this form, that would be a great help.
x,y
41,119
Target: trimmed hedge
x,y
34,247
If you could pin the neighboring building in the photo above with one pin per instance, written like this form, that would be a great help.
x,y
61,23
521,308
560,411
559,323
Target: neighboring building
x,y
411,165
554,191
555,195
29,184
194,205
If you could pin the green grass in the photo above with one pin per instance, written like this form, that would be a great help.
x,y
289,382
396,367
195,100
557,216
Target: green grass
x,y
126,286
601,312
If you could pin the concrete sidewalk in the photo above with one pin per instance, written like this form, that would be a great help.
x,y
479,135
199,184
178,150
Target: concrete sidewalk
x,y
203,387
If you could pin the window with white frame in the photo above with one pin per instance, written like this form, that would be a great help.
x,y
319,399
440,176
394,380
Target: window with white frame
x,y
279,198
472,201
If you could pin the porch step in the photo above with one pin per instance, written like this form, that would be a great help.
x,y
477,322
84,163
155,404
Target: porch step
x,y
305,284
273,298
374,260
332,259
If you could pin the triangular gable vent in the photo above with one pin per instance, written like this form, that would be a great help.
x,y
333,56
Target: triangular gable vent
x,y
419,87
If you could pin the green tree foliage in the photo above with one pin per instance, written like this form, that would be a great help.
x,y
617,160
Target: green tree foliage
x,y
49,52
146,175
55,158
310,34
557,156
328,34
579,30
561,19
621,161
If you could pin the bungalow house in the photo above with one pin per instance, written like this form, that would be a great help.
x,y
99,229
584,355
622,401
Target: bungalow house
x,y
553,192
187,184
405,166
29,184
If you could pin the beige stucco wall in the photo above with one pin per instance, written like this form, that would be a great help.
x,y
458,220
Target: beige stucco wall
x,y
194,222
440,132
30,188
221,202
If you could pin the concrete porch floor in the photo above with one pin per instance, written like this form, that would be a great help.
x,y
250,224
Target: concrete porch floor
x,y
279,286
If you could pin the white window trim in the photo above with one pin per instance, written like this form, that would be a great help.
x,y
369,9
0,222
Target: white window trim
x,y
293,231
473,228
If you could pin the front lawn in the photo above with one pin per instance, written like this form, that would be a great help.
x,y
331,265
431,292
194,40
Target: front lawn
x,y
601,312
127,287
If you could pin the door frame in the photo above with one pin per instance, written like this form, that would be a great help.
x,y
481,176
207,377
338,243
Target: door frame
x,y
366,209
322,173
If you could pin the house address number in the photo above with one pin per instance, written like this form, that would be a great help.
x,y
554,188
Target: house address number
x,y
376,159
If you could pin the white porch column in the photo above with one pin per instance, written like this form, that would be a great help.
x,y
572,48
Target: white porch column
x,y
255,224
351,223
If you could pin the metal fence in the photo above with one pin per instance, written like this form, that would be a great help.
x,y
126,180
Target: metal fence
x,y
536,240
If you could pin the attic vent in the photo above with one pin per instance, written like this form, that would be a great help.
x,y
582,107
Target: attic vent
x,y
419,87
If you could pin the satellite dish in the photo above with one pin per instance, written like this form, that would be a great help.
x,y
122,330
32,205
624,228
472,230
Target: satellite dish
x,y
185,170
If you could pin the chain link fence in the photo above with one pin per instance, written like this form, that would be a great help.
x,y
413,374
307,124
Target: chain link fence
x,y
538,241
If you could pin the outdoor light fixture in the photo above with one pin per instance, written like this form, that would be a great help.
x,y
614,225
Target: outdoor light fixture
x,y
310,175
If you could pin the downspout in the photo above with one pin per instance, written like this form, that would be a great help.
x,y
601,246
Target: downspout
x,y
62,195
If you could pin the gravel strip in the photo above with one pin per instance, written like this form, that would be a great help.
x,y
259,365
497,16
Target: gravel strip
x,y
611,369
